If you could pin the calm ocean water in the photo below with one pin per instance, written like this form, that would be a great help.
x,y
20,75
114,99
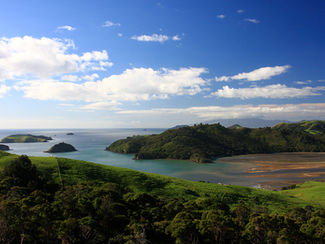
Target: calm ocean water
x,y
91,144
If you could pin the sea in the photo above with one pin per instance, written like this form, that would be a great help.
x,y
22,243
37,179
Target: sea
x,y
91,144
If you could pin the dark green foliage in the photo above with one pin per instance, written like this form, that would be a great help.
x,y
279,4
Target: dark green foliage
x,y
200,143
20,171
89,212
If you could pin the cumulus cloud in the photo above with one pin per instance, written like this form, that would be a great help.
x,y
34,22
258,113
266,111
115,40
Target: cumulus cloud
x,y
45,57
263,73
271,91
254,21
221,16
132,85
155,38
66,27
199,114
240,11
3,90
109,23
62,91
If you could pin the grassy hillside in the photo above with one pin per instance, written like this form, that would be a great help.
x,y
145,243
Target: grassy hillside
x,y
74,172
25,138
313,127
57,200
200,143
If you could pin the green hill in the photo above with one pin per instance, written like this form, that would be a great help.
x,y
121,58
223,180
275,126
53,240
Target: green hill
x,y
200,143
25,138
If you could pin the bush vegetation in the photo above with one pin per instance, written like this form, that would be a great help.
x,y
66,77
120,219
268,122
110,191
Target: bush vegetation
x,y
98,204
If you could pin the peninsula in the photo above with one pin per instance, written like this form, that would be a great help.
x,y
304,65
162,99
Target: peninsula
x,y
203,142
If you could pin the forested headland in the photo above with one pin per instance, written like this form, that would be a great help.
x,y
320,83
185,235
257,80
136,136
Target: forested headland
x,y
203,142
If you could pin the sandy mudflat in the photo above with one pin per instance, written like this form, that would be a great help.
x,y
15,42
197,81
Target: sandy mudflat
x,y
281,169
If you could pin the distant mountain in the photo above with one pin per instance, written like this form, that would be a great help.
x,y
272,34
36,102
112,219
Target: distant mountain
x,y
248,122
200,143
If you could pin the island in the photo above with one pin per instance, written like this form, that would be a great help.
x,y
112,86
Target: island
x,y
70,134
25,138
61,147
4,147
203,142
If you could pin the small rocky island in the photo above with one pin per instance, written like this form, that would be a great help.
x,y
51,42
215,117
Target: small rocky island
x,y
70,134
4,147
25,138
61,147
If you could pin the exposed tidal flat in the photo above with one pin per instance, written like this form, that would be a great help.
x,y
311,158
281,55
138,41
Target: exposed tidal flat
x,y
260,170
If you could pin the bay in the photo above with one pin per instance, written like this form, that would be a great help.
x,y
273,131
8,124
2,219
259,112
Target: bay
x,y
91,144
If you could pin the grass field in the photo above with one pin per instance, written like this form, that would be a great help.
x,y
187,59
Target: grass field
x,y
76,171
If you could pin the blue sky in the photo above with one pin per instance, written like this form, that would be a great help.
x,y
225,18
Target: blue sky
x,y
148,63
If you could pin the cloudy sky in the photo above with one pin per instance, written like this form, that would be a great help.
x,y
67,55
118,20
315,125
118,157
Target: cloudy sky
x,y
158,63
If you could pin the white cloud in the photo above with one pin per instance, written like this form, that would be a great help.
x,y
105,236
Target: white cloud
x,y
172,116
3,90
146,83
132,85
70,77
240,11
271,91
62,91
255,21
90,77
155,38
107,105
152,38
66,27
45,57
66,104
263,73
221,16
303,82
110,24
176,38
119,34
74,78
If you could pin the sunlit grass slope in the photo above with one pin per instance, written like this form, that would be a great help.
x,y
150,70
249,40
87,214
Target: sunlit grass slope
x,y
76,171
312,192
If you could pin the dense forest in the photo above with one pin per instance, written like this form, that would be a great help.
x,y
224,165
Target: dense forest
x,y
200,143
35,208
